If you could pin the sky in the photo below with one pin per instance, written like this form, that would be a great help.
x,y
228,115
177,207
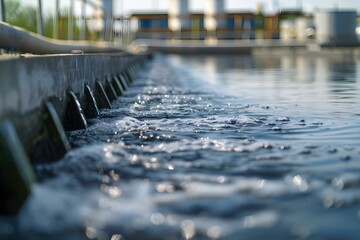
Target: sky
x,y
128,6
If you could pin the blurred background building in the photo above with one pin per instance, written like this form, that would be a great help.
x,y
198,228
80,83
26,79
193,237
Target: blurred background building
x,y
215,22
106,20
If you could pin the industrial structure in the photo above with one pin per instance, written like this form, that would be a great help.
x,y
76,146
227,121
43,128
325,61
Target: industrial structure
x,y
215,22
336,28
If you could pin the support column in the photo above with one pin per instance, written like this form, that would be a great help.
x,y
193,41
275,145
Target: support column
x,y
108,19
214,19
2,11
83,21
71,21
56,20
179,17
40,22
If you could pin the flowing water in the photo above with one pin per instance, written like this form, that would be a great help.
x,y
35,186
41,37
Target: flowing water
x,y
212,147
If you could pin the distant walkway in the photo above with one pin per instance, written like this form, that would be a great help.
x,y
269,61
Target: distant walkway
x,y
214,46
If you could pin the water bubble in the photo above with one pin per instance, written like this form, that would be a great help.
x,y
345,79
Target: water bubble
x,y
157,218
91,232
346,181
151,165
170,167
221,179
301,183
114,175
165,187
214,232
277,129
267,146
134,159
283,119
112,191
284,147
188,229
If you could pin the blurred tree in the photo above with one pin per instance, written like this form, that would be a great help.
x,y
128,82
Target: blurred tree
x,y
24,16
20,15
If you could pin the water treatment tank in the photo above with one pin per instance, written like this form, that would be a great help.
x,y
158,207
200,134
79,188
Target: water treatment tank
x,y
336,28
179,17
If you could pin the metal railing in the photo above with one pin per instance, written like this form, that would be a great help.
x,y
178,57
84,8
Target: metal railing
x,y
203,34
2,11
83,26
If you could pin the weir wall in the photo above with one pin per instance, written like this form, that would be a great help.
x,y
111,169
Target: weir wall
x,y
41,97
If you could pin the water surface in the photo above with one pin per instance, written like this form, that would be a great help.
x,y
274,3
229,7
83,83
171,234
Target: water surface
x,y
212,147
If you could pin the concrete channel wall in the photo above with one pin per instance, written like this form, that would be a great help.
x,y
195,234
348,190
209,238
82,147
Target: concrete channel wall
x,y
41,97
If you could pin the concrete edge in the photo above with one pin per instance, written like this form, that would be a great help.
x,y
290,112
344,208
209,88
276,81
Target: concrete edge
x,y
41,97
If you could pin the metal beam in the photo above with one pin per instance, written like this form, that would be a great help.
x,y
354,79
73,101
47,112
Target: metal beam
x,y
40,22
2,12
56,20
83,20
71,21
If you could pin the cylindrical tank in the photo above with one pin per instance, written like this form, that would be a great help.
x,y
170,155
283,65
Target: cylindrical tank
x,y
214,14
336,28
179,17
304,28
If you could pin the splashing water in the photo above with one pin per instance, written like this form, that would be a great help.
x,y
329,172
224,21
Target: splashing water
x,y
210,148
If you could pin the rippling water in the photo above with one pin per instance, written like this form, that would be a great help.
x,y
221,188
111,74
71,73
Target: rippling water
x,y
212,147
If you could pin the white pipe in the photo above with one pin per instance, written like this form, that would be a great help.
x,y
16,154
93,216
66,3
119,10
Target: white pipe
x,y
18,39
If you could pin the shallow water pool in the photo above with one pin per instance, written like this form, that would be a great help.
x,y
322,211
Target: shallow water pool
x,y
211,147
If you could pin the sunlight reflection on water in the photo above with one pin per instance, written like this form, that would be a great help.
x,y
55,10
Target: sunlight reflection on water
x,y
212,148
